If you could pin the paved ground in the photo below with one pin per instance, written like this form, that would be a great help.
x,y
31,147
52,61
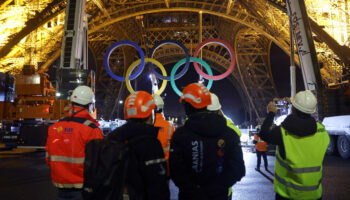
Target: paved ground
x,y
26,176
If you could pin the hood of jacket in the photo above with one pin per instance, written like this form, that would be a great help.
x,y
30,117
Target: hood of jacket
x,y
206,124
82,113
300,126
133,129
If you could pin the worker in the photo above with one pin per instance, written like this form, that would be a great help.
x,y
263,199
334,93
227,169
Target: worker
x,y
215,106
261,149
205,157
147,175
166,128
65,147
301,146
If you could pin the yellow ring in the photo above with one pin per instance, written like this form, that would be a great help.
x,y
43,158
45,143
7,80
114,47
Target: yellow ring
x,y
136,63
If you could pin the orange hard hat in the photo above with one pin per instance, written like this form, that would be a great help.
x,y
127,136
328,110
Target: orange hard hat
x,y
197,95
139,104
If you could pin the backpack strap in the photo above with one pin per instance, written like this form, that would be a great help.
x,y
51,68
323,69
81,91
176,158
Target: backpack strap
x,y
79,120
127,162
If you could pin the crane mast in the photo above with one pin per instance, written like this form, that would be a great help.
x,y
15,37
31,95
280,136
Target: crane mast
x,y
73,70
305,44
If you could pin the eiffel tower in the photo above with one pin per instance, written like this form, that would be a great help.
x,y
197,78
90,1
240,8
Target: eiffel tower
x,y
32,31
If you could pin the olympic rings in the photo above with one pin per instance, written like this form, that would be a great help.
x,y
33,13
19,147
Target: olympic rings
x,y
116,45
164,42
137,62
181,62
230,50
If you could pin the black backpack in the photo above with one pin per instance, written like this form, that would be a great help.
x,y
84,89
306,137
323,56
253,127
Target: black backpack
x,y
106,167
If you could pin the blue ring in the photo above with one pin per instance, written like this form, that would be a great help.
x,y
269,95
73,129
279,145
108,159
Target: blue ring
x,y
182,72
116,45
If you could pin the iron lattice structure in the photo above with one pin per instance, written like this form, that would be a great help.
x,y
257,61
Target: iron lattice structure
x,y
250,26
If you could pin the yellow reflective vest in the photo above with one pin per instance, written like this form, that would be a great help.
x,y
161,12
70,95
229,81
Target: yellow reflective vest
x,y
299,175
230,124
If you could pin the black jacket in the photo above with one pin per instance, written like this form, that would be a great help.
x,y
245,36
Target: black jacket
x,y
300,125
148,176
205,158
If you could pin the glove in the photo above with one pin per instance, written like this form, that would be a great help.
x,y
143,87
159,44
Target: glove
x,y
271,107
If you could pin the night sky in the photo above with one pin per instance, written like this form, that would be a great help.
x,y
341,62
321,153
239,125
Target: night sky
x,y
280,63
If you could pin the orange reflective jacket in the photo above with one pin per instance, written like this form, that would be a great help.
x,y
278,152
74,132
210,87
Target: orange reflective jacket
x,y
261,145
166,130
65,148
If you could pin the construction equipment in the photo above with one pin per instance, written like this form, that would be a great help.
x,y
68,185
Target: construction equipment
x,y
33,104
36,105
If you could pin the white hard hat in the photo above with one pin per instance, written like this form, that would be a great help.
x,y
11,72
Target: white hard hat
x,y
305,102
158,101
215,103
82,95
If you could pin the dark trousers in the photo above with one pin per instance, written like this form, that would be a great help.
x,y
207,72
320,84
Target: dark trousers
x,y
69,194
263,154
279,197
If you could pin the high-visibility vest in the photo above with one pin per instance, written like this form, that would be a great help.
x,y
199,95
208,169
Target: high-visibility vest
x,y
260,145
299,175
166,130
231,125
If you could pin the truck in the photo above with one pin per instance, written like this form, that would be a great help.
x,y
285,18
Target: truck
x,y
28,108
338,128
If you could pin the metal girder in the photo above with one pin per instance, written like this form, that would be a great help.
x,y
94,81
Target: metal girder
x,y
254,69
215,54
52,10
166,3
237,14
343,52
101,6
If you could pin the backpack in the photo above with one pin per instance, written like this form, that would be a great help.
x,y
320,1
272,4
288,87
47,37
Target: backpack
x,y
105,168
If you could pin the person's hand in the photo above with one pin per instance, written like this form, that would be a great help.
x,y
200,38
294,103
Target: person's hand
x,y
271,107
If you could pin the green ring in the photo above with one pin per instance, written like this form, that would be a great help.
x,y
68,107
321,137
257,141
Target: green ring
x,y
181,62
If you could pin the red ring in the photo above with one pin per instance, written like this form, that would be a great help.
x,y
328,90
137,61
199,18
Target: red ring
x,y
230,50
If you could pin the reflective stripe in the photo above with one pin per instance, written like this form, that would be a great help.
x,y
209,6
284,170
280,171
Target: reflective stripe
x,y
298,170
165,149
88,122
146,107
229,192
297,187
66,159
197,100
170,128
155,161
68,185
47,155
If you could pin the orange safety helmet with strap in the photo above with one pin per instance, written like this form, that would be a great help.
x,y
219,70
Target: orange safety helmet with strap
x,y
139,105
197,95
